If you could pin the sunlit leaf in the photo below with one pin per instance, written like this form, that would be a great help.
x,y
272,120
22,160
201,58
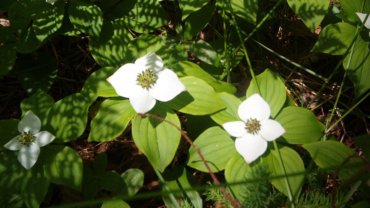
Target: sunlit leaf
x,y
198,99
230,113
271,88
115,114
312,12
301,126
216,146
88,18
335,39
158,140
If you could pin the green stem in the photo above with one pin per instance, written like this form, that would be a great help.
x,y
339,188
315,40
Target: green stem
x,y
335,105
281,163
165,187
349,111
246,56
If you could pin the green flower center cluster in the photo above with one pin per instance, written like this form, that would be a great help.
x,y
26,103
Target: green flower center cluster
x,y
253,126
26,138
147,79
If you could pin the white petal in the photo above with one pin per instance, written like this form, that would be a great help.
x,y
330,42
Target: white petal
x,y
271,129
167,86
142,101
28,155
13,144
124,79
362,17
149,61
43,138
254,107
250,147
29,123
235,128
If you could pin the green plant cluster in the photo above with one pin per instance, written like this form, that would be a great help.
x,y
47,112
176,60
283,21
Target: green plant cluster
x,y
120,31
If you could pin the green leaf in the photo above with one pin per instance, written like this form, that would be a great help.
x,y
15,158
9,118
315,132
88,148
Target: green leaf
x,y
178,182
205,52
300,124
230,113
189,6
216,146
9,130
111,181
88,18
115,203
240,175
146,16
271,88
66,167
197,98
28,42
186,68
335,39
8,56
294,169
47,20
333,155
111,48
157,140
245,9
39,103
35,71
117,8
363,142
68,117
198,20
357,65
115,114
350,7
97,85
312,12
134,180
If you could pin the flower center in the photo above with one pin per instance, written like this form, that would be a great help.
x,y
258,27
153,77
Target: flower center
x,y
26,138
147,79
253,126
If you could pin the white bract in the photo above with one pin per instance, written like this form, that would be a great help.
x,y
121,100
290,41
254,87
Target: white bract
x,y
146,81
30,140
255,128
362,17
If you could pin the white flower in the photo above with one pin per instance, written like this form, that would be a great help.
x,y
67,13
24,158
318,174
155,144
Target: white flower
x,y
362,17
52,2
146,81
30,140
255,128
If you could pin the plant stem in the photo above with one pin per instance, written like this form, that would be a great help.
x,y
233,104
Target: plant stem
x,y
165,187
246,56
349,111
216,182
281,163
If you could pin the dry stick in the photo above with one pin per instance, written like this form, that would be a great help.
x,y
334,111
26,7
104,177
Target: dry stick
x,y
233,201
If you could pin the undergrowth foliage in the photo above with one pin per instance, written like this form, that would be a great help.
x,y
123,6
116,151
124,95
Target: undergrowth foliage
x,y
188,103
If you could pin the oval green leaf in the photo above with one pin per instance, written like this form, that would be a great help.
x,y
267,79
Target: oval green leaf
x,y
198,99
216,146
333,155
293,172
158,140
300,124
87,18
230,113
112,119
271,88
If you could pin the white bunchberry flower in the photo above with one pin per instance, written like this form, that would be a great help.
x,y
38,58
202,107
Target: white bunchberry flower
x,y
52,2
146,81
30,140
255,128
362,17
